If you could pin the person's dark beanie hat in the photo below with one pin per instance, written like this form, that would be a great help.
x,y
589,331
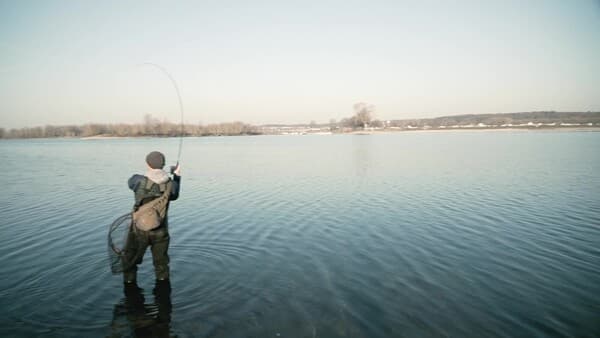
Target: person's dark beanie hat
x,y
156,160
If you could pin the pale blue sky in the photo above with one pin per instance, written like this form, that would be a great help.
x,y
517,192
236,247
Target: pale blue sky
x,y
72,62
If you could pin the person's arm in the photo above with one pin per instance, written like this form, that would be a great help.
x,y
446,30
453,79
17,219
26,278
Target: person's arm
x,y
175,189
176,183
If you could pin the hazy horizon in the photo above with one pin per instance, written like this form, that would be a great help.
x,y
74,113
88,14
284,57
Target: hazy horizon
x,y
271,62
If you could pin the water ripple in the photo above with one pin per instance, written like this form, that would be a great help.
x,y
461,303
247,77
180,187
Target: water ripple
x,y
450,235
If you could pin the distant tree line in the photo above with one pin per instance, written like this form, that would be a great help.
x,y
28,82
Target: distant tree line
x,y
150,127
362,118
502,119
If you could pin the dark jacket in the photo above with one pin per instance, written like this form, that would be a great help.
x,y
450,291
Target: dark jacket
x,y
137,183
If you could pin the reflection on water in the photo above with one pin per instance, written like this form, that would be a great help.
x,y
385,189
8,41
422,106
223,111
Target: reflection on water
x,y
361,151
133,315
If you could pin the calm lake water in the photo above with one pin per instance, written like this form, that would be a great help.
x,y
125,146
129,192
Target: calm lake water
x,y
455,234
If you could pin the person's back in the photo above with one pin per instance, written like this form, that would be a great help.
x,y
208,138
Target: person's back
x,y
147,188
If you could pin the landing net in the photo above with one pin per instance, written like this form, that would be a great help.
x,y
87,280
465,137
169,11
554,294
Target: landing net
x,y
117,239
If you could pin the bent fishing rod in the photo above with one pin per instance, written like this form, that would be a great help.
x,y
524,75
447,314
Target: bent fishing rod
x,y
181,132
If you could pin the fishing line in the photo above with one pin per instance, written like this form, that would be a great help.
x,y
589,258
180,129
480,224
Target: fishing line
x,y
181,132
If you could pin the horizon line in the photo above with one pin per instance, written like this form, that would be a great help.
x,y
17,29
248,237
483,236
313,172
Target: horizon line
x,y
296,124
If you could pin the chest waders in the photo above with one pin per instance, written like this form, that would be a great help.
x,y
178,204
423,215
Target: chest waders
x,y
138,240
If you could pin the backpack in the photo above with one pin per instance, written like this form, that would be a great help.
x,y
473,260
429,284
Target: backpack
x,y
150,215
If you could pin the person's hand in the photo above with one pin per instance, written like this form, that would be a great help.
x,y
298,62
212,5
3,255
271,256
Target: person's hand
x,y
177,170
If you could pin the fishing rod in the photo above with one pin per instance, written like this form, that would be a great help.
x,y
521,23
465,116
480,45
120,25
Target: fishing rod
x,y
181,132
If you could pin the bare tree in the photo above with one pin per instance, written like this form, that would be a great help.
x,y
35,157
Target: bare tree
x,y
332,124
362,114
151,125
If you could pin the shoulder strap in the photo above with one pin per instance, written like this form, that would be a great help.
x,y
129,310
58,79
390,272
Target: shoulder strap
x,y
160,202
166,188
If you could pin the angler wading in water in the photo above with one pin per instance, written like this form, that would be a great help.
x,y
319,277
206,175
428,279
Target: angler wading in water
x,y
152,192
